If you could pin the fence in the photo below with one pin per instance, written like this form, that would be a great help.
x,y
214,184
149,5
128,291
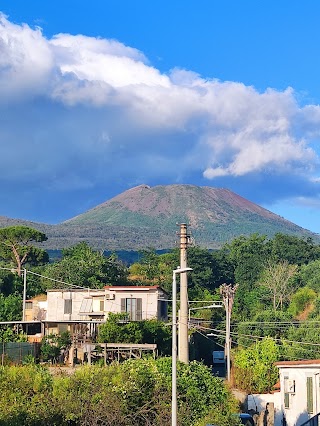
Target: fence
x,y
16,352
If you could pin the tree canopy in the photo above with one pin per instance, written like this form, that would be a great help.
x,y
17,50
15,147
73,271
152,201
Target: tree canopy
x,y
85,267
16,246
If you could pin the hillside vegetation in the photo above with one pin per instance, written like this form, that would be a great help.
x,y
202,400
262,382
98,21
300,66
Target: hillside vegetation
x,y
147,217
276,309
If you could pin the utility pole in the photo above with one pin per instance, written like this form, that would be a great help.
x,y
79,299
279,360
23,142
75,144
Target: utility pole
x,y
24,294
228,291
183,341
174,344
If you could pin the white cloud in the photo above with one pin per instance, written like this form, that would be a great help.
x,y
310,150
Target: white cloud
x,y
26,60
106,61
99,108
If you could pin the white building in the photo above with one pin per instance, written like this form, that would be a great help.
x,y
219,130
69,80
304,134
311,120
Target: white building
x,y
139,302
300,390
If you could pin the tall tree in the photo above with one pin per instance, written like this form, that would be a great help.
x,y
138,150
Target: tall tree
x,y
248,255
16,246
277,279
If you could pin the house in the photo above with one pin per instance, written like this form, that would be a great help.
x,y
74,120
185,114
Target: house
x,y
139,302
300,390
36,308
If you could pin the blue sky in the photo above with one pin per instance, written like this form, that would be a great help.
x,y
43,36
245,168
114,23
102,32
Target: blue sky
x,y
97,97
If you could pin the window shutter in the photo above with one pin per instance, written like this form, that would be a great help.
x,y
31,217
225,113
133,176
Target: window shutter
x,y
286,393
309,395
139,310
68,306
286,400
123,305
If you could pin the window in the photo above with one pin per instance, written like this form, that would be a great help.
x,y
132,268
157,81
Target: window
x,y
29,305
133,307
86,305
162,309
286,393
101,305
68,306
310,395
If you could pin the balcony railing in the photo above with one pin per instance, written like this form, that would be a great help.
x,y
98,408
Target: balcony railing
x,y
314,421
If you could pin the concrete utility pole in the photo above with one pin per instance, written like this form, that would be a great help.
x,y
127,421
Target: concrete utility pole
x,y
24,294
228,291
174,344
183,341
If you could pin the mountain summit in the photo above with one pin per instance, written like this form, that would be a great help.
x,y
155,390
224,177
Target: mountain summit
x,y
146,216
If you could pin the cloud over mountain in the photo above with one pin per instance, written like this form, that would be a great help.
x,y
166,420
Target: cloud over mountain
x,y
77,110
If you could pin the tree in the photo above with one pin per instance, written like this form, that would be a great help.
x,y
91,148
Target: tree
x,y
148,331
302,341
210,269
154,269
10,307
7,282
293,249
248,255
265,323
310,275
83,266
16,246
254,369
277,279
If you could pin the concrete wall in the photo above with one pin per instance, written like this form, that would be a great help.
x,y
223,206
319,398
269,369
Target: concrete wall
x,y
111,298
56,305
258,402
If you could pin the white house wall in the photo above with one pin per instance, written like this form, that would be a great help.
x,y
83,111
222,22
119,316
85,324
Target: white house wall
x,y
297,412
112,302
56,305
149,302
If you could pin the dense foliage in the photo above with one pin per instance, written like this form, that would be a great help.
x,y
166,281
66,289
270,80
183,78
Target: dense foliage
x,y
278,294
254,369
136,393
82,266
117,329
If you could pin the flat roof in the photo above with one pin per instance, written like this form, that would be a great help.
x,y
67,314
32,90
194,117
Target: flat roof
x,y
51,322
109,287
19,322
133,287
299,363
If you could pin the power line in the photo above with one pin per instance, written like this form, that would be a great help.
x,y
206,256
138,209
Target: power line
x,y
253,337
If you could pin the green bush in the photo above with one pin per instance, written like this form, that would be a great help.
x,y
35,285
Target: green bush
x,y
254,369
115,329
137,392
301,299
